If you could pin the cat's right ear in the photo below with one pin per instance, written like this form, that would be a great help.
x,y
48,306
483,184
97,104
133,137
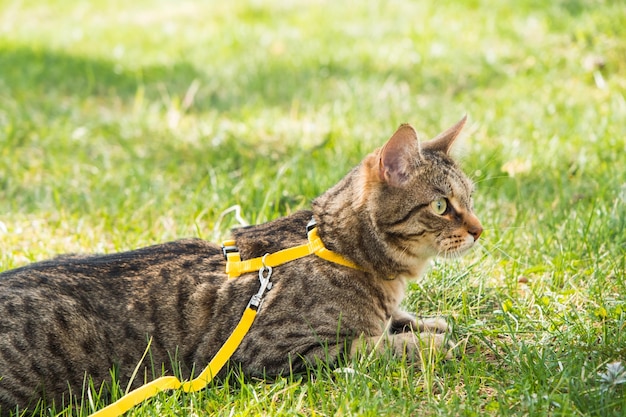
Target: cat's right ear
x,y
444,140
399,156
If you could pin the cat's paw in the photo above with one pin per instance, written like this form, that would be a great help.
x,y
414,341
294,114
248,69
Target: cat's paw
x,y
402,322
441,342
433,325
413,346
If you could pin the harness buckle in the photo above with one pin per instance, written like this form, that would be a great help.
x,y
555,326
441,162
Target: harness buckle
x,y
265,273
311,225
227,248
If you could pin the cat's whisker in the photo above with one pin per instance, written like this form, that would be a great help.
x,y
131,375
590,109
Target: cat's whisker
x,y
494,247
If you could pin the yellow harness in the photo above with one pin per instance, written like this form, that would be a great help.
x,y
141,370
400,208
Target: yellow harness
x,y
234,268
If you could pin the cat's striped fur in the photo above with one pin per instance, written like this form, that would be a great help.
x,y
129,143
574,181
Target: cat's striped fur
x,y
76,315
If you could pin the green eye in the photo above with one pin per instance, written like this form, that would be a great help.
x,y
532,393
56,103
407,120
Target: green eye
x,y
439,206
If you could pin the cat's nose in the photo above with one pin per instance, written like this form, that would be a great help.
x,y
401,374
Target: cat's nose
x,y
474,227
476,231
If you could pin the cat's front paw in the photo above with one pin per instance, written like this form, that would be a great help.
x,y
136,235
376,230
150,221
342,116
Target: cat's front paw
x,y
413,346
433,325
402,322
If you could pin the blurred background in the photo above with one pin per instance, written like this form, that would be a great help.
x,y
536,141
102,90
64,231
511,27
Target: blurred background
x,y
109,107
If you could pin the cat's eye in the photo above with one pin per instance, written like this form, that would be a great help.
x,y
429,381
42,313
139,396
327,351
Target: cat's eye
x,y
439,206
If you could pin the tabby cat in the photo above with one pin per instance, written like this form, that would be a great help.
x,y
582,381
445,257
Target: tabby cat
x,y
73,316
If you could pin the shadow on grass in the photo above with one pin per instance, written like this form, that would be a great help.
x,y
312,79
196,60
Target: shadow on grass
x,y
51,93
34,74
36,77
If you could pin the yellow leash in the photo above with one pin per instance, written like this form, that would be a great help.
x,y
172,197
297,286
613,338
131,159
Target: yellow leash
x,y
149,390
234,268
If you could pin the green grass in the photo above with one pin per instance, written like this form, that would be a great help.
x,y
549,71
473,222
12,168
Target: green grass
x,y
125,124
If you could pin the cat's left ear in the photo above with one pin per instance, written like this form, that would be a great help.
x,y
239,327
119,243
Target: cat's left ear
x,y
443,141
399,156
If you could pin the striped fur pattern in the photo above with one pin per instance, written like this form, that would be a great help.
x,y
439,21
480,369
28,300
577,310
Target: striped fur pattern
x,y
74,316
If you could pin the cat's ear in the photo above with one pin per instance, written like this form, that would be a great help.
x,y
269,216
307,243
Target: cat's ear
x,y
443,141
399,156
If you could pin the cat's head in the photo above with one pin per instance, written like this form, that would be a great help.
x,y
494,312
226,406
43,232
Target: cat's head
x,y
417,197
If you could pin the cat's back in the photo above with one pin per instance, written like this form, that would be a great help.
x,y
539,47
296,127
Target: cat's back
x,y
118,285
190,254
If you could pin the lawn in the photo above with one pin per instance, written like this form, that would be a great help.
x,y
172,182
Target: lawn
x,y
124,124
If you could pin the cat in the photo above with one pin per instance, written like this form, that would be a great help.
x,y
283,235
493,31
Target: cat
x,y
73,316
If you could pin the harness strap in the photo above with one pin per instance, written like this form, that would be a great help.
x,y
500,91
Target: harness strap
x,y
235,266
